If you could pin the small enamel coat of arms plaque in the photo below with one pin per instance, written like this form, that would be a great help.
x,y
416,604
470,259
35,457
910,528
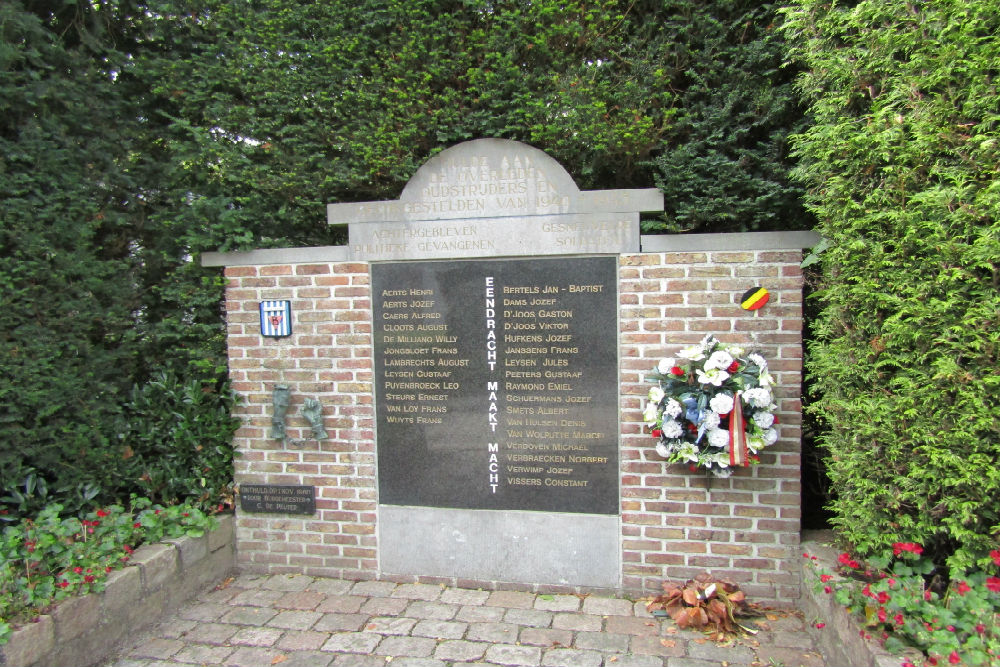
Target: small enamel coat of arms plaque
x,y
276,318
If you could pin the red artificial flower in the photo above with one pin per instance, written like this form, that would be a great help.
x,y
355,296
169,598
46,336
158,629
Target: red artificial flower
x,y
954,658
993,583
962,588
995,555
677,370
825,577
656,433
693,468
733,367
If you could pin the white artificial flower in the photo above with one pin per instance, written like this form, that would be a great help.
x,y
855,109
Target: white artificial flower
x,y
763,419
714,377
663,450
757,361
718,437
770,436
755,444
693,353
759,397
765,379
656,394
688,451
672,429
650,413
722,403
665,365
673,408
735,350
720,360
710,419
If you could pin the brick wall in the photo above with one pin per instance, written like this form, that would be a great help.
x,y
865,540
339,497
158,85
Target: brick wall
x,y
745,528
676,523
328,357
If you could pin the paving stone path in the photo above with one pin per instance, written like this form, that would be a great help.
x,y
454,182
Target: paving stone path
x,y
298,621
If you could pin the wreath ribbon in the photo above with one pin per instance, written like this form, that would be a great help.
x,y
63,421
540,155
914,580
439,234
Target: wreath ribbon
x,y
738,454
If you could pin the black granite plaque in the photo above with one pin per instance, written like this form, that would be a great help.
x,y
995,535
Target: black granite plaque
x,y
497,384
278,499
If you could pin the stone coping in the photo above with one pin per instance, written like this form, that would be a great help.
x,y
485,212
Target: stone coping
x,y
83,631
794,240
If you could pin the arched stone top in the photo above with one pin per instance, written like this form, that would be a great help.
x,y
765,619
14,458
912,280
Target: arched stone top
x,y
493,178
488,178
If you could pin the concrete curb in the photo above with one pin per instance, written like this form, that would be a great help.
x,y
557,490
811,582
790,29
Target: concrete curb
x,y
86,630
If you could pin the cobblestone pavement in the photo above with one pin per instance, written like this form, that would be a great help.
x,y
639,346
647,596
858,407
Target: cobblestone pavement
x,y
298,621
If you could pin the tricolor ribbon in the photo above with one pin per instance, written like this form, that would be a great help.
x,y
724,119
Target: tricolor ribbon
x,y
738,454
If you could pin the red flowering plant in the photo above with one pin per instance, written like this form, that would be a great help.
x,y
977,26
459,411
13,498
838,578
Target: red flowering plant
x,y
712,407
51,557
906,604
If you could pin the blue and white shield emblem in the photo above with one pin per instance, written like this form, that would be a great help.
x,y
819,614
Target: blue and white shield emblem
x,y
276,318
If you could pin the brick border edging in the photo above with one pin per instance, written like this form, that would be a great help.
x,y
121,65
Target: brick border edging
x,y
159,578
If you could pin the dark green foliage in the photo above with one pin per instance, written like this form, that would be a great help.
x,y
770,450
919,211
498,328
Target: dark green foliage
x,y
901,168
66,276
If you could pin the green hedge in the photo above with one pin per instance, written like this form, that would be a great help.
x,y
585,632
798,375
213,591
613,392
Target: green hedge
x,y
901,167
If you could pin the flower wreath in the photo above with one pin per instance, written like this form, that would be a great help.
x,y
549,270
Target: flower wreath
x,y
712,407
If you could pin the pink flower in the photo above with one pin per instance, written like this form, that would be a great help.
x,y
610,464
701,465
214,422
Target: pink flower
x,y
820,626
827,589
962,588
78,570
883,597
825,577
63,584
995,555
980,628
882,615
898,619
102,513
993,583
954,658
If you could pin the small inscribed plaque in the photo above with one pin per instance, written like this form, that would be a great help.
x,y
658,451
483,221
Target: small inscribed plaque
x,y
278,499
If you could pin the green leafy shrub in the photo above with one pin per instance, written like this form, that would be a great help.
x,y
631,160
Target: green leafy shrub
x,y
900,167
903,602
53,557
175,442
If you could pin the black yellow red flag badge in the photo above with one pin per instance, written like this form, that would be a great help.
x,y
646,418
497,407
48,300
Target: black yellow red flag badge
x,y
754,298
